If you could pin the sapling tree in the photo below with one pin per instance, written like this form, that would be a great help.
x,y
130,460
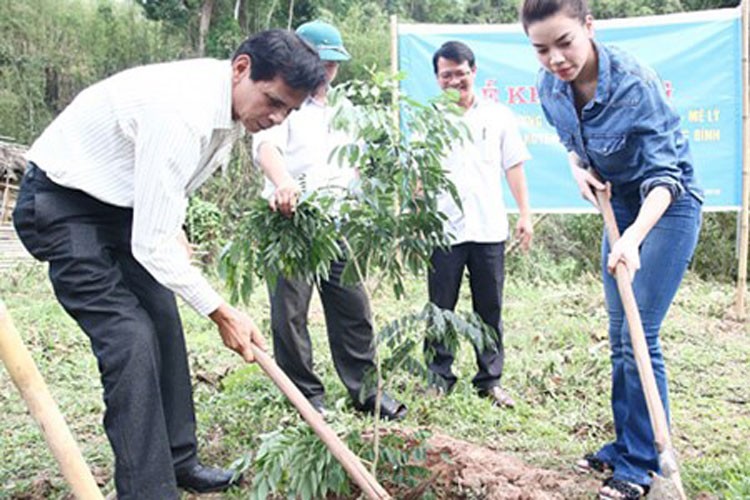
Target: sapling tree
x,y
385,226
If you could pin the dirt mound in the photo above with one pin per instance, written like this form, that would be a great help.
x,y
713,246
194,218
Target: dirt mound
x,y
464,470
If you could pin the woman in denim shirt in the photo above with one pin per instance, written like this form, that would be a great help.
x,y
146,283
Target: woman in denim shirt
x,y
613,116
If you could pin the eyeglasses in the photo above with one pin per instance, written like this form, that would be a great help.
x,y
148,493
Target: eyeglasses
x,y
450,75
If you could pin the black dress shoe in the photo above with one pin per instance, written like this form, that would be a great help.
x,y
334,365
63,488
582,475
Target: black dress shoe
x,y
498,396
319,404
201,479
390,409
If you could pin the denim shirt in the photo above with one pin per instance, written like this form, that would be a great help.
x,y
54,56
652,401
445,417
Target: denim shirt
x,y
629,132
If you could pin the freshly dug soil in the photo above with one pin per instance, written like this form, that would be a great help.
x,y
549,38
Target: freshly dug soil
x,y
460,469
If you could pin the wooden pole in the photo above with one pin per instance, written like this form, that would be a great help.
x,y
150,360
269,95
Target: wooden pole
x,y
6,202
394,43
743,226
394,66
44,410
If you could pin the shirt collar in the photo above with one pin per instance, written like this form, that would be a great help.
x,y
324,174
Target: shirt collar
x,y
474,105
558,86
311,101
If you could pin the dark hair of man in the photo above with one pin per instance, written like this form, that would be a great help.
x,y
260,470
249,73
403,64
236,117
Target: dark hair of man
x,y
283,53
533,11
453,51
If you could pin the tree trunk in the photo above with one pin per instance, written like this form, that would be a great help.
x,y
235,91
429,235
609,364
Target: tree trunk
x,y
291,15
205,22
270,14
240,15
52,89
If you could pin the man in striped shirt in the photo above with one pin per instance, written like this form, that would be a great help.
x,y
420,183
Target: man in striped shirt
x,y
103,201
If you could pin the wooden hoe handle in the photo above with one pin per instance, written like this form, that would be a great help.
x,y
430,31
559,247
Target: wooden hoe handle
x,y
44,410
359,474
637,335
656,413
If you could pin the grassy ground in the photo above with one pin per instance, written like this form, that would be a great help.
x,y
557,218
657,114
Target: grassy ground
x,y
557,367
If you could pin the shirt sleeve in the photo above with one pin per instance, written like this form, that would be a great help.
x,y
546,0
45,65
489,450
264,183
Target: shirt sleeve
x,y
659,134
277,136
167,153
543,91
544,82
513,149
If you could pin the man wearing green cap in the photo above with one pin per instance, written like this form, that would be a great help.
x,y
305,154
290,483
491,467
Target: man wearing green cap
x,y
294,157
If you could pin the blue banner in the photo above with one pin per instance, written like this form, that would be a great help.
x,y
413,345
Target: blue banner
x,y
698,56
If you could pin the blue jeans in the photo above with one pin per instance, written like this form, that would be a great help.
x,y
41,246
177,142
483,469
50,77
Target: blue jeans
x,y
665,254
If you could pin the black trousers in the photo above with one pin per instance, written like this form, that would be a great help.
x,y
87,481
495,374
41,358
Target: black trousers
x,y
132,322
486,265
349,325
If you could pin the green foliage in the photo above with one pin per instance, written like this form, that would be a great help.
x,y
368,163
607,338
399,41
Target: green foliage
x,y
565,247
632,8
403,456
224,38
175,12
568,246
460,11
716,257
365,29
268,245
52,49
294,462
385,226
234,189
204,223
708,4
401,340
221,203
730,479
391,224
183,17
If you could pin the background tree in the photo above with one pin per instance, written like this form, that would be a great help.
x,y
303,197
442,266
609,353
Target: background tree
x,y
50,50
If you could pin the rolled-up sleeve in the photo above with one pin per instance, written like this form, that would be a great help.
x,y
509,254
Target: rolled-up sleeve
x,y
167,154
675,188
658,131
275,136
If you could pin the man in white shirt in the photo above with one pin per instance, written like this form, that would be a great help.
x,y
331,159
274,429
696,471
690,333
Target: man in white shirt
x,y
103,201
295,158
479,228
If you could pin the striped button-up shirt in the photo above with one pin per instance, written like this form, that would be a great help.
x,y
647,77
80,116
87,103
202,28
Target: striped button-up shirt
x,y
145,138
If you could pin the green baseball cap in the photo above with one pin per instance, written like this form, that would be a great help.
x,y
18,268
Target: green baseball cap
x,y
326,39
